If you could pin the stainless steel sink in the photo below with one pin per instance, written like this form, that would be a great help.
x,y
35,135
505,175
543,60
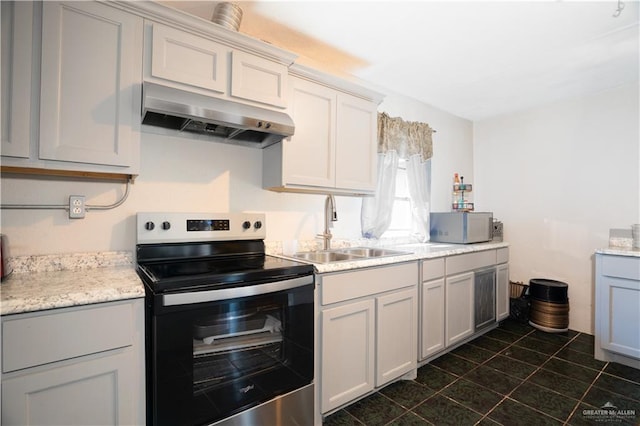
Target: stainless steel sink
x,y
346,254
325,256
370,252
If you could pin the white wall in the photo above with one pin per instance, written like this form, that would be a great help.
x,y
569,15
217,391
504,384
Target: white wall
x,y
179,174
559,177
176,174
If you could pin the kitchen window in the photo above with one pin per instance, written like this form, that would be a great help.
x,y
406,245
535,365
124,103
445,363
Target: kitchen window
x,y
403,223
401,203
401,218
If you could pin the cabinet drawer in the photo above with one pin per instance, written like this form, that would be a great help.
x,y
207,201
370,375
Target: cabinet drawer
x,y
470,261
621,267
366,282
432,269
29,340
502,255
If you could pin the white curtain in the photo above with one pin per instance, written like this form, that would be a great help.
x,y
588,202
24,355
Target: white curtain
x,y
419,178
376,210
411,141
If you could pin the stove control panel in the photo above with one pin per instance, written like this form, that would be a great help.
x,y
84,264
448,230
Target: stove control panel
x,y
186,227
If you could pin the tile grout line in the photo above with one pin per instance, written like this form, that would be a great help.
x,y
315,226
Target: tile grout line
x,y
538,368
580,401
457,377
486,416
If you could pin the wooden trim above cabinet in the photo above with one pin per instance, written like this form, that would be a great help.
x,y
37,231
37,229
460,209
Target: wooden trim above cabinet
x,y
33,171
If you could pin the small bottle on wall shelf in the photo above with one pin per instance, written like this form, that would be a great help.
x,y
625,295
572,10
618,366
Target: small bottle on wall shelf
x,y
460,201
455,196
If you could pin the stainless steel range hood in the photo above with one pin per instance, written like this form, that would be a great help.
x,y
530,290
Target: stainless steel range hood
x,y
230,121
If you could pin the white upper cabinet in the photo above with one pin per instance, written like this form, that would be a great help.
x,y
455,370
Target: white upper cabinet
x,y
308,158
211,67
90,86
17,41
334,148
186,58
356,143
257,79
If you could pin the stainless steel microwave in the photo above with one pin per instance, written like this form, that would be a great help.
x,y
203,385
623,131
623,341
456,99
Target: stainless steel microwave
x,y
461,227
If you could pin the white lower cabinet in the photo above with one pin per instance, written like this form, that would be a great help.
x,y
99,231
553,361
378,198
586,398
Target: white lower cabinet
x,y
396,334
502,291
448,298
617,315
87,392
459,307
368,331
348,352
432,337
74,366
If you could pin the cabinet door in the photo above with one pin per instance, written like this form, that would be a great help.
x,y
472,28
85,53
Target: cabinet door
x,y
90,88
502,291
396,335
433,319
348,353
186,58
356,143
17,35
309,155
459,311
90,392
258,79
620,315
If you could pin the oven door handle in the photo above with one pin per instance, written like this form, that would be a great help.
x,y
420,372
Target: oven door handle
x,y
235,292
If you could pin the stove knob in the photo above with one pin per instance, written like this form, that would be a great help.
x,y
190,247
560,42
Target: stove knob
x,y
257,225
149,226
166,225
246,224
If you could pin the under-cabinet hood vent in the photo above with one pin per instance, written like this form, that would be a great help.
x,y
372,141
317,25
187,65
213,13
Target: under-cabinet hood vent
x,y
233,122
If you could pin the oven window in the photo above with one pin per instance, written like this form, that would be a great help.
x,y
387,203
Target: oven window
x,y
213,360
241,343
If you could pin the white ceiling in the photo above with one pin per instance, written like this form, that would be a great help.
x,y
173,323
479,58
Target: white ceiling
x,y
475,59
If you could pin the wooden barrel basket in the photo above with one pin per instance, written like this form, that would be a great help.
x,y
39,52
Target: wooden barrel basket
x,y
549,305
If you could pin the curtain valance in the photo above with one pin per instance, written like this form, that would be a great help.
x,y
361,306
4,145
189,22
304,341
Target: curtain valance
x,y
407,138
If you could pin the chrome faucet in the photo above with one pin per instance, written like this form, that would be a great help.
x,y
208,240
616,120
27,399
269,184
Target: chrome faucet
x,y
329,212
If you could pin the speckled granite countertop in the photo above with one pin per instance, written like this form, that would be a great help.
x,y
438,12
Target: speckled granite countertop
x,y
416,251
620,251
56,281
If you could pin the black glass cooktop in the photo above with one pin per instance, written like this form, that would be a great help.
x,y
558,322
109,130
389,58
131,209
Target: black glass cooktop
x,y
222,271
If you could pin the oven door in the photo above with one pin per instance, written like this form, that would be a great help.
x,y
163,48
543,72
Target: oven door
x,y
210,360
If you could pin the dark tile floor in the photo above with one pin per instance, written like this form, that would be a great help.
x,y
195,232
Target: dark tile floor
x,y
513,375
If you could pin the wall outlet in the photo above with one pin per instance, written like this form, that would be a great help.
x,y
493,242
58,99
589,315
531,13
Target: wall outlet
x,y
76,207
